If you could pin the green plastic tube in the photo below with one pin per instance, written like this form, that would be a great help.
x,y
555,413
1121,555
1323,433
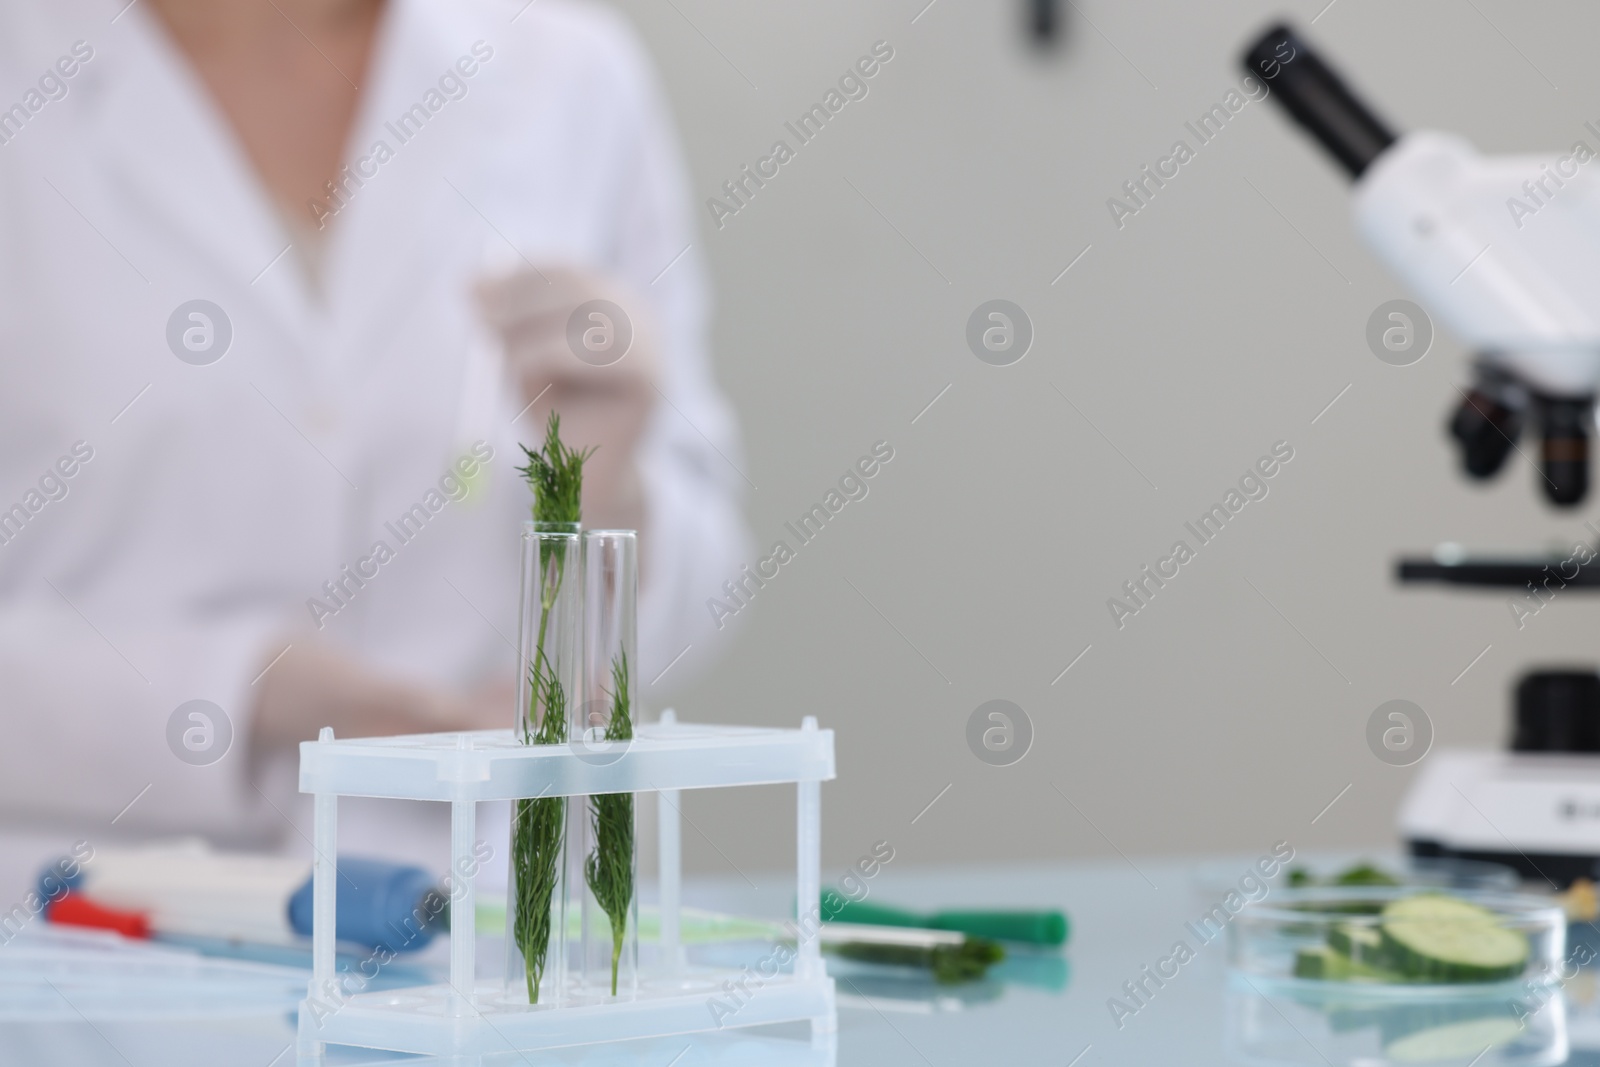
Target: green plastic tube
x,y
1027,927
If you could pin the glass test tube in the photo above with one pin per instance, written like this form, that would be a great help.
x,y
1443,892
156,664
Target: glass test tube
x,y
548,690
606,824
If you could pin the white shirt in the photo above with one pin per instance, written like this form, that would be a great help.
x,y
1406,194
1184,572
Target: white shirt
x,y
219,498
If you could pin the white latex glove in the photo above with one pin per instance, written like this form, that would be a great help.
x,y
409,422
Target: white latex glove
x,y
312,687
604,398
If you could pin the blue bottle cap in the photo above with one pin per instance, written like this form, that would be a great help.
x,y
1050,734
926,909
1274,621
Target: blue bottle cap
x,y
379,905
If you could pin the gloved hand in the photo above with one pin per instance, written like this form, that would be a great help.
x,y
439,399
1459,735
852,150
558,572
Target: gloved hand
x,y
313,686
604,396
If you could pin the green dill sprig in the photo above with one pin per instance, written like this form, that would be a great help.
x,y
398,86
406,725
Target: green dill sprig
x,y
950,964
555,474
540,825
609,866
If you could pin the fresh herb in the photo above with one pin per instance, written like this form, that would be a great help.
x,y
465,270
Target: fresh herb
x,y
1365,874
950,964
609,869
540,824
1359,874
555,474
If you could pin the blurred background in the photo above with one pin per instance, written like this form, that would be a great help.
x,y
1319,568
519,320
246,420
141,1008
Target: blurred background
x,y
1224,317
1171,349
988,514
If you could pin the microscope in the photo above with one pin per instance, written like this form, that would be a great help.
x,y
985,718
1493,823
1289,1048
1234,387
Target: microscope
x,y
1504,253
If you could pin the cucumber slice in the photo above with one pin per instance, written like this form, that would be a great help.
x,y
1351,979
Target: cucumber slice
x,y
1437,906
1329,965
1323,963
1441,939
1361,943
1446,951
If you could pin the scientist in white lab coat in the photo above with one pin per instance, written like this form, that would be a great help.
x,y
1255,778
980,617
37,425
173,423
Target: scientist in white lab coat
x,y
287,280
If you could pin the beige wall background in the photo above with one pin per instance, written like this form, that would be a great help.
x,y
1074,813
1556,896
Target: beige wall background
x,y
1221,319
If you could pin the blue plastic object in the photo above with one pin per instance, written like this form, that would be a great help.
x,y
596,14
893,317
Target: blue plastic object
x,y
379,905
54,880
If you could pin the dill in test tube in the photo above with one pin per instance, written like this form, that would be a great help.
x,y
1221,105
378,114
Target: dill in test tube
x,y
610,566
555,474
609,868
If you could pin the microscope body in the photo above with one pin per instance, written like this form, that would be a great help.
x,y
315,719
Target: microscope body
x,y
1503,251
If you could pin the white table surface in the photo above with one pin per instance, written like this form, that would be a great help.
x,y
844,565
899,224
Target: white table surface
x,y
1122,919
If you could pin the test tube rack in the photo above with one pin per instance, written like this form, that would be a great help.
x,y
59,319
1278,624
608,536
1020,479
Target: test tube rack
x,y
468,1018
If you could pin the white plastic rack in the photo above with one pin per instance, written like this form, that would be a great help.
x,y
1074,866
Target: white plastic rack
x,y
468,1019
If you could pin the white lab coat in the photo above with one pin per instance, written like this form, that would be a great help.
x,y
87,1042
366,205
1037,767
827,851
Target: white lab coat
x,y
220,498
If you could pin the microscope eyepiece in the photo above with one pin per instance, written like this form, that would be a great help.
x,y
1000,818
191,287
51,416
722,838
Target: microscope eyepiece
x,y
1564,453
1490,417
1317,98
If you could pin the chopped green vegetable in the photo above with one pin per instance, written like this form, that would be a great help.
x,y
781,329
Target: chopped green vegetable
x,y
1328,964
1437,906
1361,943
1437,938
1429,937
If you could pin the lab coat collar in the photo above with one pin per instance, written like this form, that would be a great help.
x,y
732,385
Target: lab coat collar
x,y
404,229
171,151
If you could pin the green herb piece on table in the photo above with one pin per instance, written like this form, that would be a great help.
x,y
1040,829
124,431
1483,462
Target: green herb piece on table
x,y
555,474
609,869
950,964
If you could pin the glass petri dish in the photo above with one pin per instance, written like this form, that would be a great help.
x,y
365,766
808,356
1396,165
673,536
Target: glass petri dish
x,y
1342,940
1317,1028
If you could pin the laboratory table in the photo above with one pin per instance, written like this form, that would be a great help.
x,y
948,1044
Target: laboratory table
x,y
1048,1009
